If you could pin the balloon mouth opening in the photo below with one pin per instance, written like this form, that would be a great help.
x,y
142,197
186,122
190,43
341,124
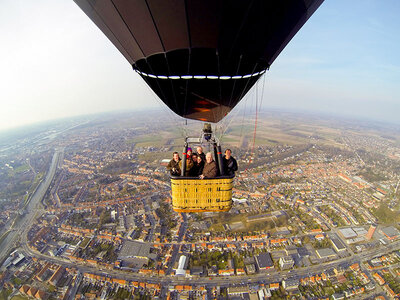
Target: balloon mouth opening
x,y
198,77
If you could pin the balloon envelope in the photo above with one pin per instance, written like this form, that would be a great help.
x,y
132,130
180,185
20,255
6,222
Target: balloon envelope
x,y
200,56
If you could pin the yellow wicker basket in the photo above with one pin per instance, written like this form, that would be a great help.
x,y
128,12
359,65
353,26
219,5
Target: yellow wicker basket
x,y
196,195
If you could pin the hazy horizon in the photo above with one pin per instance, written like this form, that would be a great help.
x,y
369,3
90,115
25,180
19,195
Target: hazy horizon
x,y
249,116
57,64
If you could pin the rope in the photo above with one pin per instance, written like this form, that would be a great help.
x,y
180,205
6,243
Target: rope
x,y
244,114
162,104
255,128
230,99
258,108
262,90
247,82
228,122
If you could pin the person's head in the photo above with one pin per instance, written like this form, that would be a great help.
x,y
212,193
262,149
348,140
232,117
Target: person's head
x,y
194,157
176,156
189,151
199,159
209,157
199,150
228,153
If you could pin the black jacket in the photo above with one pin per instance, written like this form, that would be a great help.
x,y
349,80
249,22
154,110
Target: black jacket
x,y
203,156
230,166
197,169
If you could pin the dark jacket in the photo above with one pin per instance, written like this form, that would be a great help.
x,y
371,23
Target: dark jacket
x,y
203,156
230,166
197,169
173,168
210,170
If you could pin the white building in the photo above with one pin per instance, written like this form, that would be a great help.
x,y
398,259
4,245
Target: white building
x,y
181,266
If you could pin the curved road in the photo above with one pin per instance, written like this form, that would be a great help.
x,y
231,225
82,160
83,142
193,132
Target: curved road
x,y
269,277
35,210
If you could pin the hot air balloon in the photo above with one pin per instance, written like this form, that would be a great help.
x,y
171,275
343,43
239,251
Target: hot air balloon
x,y
200,57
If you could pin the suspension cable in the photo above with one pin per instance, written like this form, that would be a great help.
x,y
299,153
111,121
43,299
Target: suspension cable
x,y
162,105
258,109
255,129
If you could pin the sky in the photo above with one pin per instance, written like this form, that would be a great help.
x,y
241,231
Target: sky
x,y
55,63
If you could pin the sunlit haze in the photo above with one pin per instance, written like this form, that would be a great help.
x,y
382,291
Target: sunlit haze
x,y
56,63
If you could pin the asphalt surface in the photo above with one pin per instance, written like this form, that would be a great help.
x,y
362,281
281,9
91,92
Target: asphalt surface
x,y
268,277
34,210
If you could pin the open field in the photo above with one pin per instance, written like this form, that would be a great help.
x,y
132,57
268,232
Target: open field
x,y
273,129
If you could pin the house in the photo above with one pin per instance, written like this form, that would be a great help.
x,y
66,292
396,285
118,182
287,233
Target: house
x,y
274,286
378,278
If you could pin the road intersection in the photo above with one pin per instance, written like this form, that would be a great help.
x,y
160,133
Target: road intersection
x,y
34,210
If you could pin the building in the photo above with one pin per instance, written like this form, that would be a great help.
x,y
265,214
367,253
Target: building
x,y
352,235
237,290
391,233
134,249
250,269
360,231
338,296
264,261
165,162
197,271
390,292
326,253
290,284
338,245
286,262
347,233
274,286
20,258
371,231
181,266
56,276
378,278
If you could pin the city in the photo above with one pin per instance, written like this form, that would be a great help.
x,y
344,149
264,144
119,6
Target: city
x,y
101,198
315,213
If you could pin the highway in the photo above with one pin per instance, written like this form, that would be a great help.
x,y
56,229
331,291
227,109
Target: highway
x,y
32,210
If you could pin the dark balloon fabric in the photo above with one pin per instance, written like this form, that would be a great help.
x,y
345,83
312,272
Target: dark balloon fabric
x,y
200,56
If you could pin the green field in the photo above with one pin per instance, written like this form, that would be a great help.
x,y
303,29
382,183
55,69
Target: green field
x,y
273,129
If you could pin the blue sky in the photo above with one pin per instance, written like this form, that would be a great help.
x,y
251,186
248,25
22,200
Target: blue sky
x,y
345,60
55,63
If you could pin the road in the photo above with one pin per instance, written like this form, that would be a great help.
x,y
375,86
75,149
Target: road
x,y
32,209
75,286
268,277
